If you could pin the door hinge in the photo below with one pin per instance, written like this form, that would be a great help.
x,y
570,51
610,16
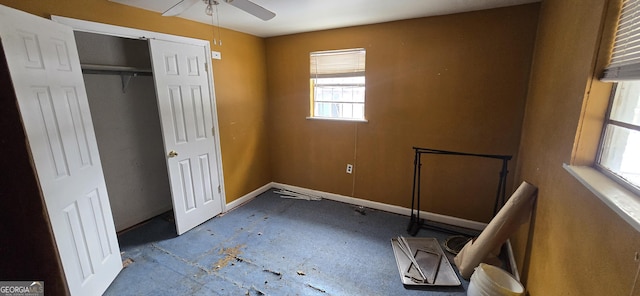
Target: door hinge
x,y
206,67
213,131
219,189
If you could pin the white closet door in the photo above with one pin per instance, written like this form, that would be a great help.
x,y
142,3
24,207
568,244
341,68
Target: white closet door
x,y
46,75
185,106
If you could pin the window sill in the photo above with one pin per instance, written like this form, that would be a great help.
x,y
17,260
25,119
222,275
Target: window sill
x,y
337,119
622,201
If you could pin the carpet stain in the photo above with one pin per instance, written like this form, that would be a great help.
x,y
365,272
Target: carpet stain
x,y
255,292
195,264
273,272
126,262
231,254
316,288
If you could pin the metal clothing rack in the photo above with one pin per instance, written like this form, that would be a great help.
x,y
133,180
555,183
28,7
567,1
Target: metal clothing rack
x,y
416,223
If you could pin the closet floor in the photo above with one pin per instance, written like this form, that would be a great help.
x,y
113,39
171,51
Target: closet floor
x,y
272,246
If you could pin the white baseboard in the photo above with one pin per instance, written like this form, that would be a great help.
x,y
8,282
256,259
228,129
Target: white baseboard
x,y
386,207
247,197
359,202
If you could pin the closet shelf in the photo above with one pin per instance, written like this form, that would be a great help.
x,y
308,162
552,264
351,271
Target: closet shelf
x,y
126,73
114,70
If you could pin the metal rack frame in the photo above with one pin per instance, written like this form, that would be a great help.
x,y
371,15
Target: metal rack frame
x,y
415,223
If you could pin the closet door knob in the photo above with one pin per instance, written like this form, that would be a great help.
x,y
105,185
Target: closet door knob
x,y
173,153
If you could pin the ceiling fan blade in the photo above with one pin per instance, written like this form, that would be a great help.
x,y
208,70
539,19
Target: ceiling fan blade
x,y
252,8
179,8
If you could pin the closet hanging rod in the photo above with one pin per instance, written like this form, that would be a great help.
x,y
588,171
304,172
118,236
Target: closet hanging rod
x,y
125,73
114,70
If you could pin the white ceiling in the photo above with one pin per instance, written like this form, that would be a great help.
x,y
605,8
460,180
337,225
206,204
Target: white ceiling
x,y
296,16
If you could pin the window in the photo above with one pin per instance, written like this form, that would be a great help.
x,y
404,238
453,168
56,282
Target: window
x,y
620,144
338,84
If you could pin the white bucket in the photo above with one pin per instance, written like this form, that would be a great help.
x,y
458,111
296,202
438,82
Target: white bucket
x,y
488,280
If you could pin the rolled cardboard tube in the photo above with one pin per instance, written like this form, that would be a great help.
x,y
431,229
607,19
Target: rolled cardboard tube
x,y
507,221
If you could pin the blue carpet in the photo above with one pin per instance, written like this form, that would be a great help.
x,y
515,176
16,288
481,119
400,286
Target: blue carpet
x,y
272,246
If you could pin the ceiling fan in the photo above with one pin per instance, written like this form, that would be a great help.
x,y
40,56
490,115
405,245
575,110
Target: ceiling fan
x,y
246,5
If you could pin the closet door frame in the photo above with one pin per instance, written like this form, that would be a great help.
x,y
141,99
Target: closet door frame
x,y
118,31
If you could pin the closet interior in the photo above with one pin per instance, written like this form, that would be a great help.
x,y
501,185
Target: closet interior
x,y
122,99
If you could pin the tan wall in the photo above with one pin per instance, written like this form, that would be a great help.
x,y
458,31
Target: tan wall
x,y
239,80
454,82
577,245
464,90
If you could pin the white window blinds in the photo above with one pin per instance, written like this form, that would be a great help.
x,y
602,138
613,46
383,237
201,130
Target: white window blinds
x,y
625,56
338,63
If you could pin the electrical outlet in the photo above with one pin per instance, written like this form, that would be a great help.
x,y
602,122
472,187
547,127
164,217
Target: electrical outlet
x,y
349,168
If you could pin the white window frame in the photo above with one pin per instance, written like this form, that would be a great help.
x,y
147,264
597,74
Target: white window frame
x,y
347,65
610,123
623,67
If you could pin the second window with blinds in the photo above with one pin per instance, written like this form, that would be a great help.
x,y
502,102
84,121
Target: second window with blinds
x,y
338,84
619,155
